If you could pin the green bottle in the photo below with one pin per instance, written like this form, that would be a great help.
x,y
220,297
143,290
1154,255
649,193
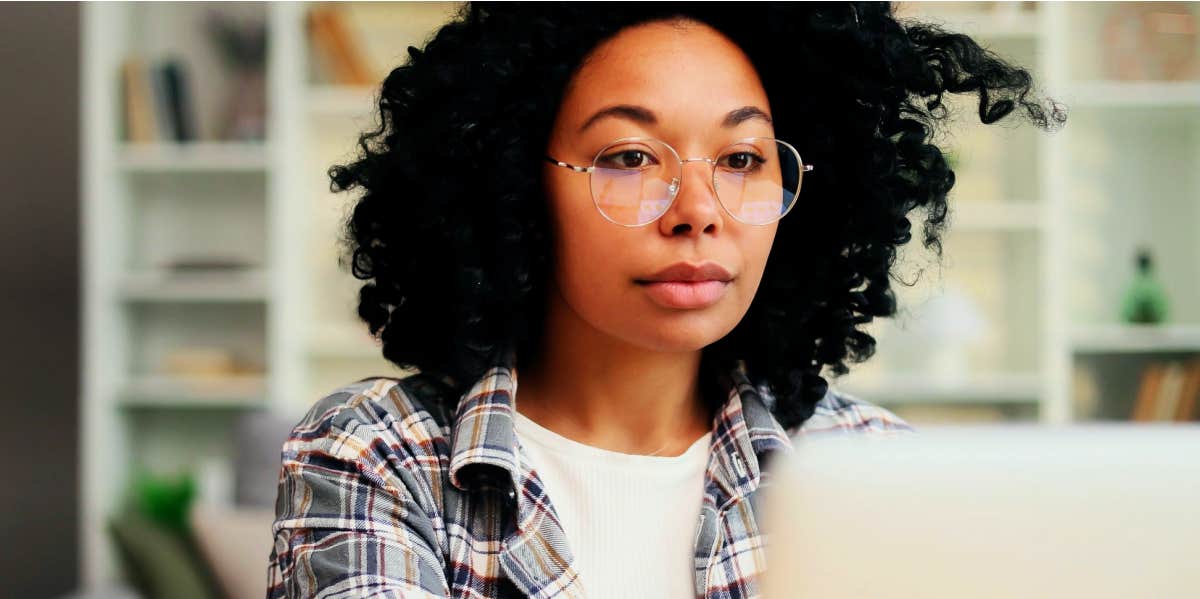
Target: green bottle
x,y
1145,302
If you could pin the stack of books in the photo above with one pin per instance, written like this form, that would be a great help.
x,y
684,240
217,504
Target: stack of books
x,y
1168,391
156,101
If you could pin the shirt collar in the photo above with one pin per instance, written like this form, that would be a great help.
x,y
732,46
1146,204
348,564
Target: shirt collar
x,y
483,441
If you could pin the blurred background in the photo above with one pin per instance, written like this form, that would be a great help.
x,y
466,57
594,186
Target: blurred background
x,y
177,302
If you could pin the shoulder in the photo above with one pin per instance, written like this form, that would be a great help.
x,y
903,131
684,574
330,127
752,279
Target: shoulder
x,y
841,412
413,400
378,415
379,437
361,472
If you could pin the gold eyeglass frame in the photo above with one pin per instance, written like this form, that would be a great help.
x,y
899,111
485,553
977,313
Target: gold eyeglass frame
x,y
676,182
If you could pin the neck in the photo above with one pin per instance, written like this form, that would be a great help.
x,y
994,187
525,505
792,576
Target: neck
x,y
599,390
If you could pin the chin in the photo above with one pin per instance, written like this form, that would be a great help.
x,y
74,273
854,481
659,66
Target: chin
x,y
683,333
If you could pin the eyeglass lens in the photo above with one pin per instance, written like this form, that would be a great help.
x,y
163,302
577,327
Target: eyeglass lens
x,y
756,179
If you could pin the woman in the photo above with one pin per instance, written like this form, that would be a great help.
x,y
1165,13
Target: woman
x,y
663,221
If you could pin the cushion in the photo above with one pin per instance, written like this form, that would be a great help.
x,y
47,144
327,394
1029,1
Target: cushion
x,y
160,561
236,544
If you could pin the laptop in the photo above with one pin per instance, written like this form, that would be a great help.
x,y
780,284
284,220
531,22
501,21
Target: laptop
x,y
987,511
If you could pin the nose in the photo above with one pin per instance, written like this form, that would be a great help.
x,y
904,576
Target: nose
x,y
696,208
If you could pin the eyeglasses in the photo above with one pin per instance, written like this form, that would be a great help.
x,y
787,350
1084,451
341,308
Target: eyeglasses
x,y
634,180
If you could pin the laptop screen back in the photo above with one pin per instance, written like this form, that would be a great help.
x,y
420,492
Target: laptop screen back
x,y
983,511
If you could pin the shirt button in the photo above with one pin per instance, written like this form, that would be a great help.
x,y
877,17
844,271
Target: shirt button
x,y
739,465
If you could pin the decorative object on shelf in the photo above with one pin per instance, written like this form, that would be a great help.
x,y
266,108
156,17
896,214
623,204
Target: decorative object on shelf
x,y
1150,41
945,327
215,475
244,46
165,499
1145,301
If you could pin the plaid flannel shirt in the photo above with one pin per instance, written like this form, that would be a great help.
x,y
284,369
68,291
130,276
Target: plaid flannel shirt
x,y
386,492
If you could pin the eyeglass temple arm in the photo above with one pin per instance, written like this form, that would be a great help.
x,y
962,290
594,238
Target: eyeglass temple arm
x,y
578,169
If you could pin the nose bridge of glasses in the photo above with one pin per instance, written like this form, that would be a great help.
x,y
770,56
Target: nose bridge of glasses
x,y
677,181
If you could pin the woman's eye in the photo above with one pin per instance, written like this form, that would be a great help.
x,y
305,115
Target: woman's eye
x,y
743,161
628,159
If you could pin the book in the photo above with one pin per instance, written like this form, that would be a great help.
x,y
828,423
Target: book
x,y
157,102
1189,397
1144,404
178,100
1169,391
162,108
330,36
140,125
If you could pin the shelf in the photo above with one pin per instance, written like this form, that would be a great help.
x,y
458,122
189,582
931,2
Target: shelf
x,y
1134,94
193,156
233,392
987,26
340,100
990,388
996,216
1128,338
165,286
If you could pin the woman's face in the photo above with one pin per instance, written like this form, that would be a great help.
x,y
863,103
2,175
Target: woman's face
x,y
679,83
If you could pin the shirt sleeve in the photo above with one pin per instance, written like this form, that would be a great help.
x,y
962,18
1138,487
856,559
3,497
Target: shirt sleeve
x,y
347,522
840,413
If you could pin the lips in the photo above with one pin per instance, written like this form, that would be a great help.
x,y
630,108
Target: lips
x,y
687,272
687,286
684,294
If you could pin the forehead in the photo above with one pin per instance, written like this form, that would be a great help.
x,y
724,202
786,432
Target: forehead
x,y
684,71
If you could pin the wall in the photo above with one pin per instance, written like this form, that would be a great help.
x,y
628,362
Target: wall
x,y
39,297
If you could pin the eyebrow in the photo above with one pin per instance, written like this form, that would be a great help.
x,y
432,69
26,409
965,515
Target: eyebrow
x,y
646,116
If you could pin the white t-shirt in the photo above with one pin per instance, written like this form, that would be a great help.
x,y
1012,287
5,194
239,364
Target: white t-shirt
x,y
630,520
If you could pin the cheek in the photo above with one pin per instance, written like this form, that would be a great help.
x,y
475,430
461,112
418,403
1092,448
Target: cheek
x,y
756,250
594,256
592,253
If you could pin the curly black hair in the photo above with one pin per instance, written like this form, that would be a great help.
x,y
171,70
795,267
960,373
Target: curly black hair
x,y
452,233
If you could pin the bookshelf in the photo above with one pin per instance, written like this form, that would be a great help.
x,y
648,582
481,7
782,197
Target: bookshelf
x,y
1040,242
157,209
1043,230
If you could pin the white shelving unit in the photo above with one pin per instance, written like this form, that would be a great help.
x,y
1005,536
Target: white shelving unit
x,y
1043,250
266,203
1123,172
998,250
146,205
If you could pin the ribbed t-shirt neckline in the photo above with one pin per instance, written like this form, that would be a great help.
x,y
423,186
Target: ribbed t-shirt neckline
x,y
549,439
